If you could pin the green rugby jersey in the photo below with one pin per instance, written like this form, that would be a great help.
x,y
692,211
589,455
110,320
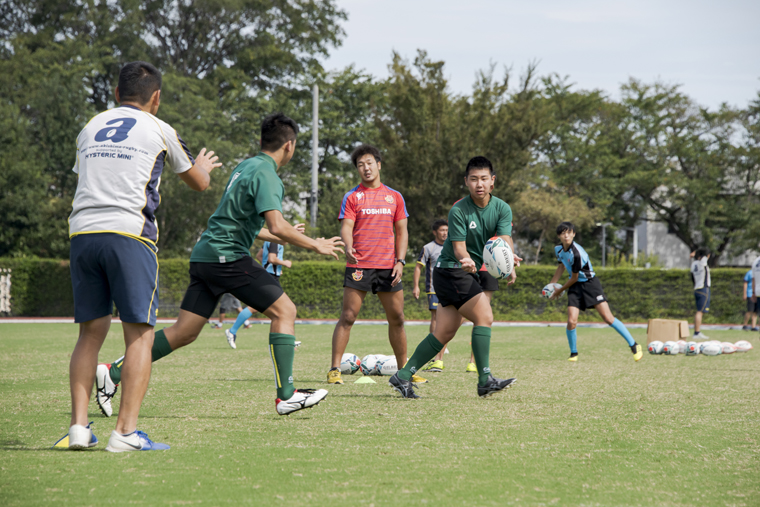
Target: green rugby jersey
x,y
475,226
252,189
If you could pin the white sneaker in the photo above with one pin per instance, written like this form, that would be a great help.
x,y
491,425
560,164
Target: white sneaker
x,y
298,344
135,441
700,336
81,437
303,398
247,323
105,389
231,338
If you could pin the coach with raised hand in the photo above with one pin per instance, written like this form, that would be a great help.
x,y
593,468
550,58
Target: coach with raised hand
x,y
121,154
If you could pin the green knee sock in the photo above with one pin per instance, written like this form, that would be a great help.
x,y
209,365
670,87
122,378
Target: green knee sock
x,y
481,347
425,351
160,349
282,348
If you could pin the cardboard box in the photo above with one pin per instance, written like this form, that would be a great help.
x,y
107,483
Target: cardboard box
x,y
665,329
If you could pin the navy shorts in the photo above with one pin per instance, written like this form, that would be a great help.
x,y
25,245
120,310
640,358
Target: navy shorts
x,y
702,298
432,301
108,268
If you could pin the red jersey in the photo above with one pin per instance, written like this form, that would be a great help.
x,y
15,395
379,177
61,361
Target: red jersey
x,y
374,211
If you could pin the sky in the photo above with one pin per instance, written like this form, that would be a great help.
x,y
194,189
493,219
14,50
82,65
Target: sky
x,y
711,49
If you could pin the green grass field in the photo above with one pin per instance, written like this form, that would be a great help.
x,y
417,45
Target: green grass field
x,y
603,431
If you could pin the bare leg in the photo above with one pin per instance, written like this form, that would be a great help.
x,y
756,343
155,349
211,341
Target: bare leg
x,y
135,374
747,315
352,303
184,332
221,318
393,303
283,315
572,317
84,362
605,312
754,319
697,322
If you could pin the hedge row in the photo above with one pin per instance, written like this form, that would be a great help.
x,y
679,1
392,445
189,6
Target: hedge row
x,y
42,287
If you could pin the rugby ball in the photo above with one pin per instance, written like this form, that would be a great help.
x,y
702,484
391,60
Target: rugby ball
x,y
728,347
655,347
549,289
682,344
670,348
498,258
711,349
692,348
349,364
743,346
387,365
368,365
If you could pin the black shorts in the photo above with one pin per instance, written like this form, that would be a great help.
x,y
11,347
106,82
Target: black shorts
x,y
753,307
245,279
375,280
584,295
455,286
488,281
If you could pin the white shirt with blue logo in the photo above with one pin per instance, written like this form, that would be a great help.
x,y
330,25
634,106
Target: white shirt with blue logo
x,y
700,274
121,154
576,260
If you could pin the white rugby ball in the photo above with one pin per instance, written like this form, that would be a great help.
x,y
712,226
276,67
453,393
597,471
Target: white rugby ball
x,y
692,349
682,346
349,364
387,366
670,348
369,364
711,349
498,258
728,347
549,289
655,347
743,346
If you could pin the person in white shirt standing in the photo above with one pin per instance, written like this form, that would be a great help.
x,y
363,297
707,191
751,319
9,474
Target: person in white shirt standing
x,y
700,275
755,281
121,154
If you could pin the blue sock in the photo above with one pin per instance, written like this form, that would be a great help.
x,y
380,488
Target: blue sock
x,y
620,328
572,339
244,315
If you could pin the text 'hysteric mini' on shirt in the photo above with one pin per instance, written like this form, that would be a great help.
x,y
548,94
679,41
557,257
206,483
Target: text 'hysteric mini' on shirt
x,y
374,212
121,154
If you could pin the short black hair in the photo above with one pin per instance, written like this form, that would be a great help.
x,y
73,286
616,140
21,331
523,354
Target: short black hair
x,y
138,81
702,251
365,149
276,130
565,226
478,163
439,223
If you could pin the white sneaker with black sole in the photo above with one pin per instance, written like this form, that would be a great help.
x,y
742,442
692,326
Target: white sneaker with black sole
x,y
105,389
135,441
231,338
301,399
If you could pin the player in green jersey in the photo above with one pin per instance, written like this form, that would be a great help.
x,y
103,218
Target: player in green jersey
x,y
221,263
472,222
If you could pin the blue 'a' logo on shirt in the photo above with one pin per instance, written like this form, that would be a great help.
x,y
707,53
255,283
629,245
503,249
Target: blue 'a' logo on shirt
x,y
118,133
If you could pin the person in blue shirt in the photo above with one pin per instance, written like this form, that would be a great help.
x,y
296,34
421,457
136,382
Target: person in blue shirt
x,y
753,307
583,290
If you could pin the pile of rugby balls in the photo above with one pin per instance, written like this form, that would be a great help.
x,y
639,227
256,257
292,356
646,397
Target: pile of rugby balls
x,y
708,348
372,364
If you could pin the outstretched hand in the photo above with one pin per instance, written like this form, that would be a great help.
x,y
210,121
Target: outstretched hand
x,y
330,246
300,228
207,161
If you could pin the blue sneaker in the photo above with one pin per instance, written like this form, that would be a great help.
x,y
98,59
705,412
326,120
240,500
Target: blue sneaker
x,y
135,441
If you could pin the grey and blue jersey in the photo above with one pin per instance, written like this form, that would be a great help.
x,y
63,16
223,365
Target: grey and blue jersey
x,y
427,259
575,260
271,268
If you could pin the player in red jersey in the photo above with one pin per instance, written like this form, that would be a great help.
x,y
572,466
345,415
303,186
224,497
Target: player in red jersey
x,y
370,215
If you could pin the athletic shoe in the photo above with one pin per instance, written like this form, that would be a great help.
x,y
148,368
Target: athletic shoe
x,y
297,344
756,329
746,328
573,357
494,385
638,352
434,366
231,338
247,324
405,387
700,336
418,380
301,399
333,377
471,368
81,437
215,324
135,441
105,389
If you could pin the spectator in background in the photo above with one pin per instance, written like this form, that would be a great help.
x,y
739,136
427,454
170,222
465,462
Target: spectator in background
x,y
753,307
700,275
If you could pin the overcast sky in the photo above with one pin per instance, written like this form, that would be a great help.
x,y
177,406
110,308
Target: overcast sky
x,y
711,48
